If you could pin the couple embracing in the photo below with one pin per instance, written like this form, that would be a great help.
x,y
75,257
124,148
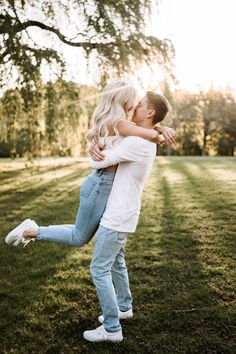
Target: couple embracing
x,y
122,156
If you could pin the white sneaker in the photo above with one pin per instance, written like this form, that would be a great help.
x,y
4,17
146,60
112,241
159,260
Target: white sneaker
x,y
100,334
15,237
121,315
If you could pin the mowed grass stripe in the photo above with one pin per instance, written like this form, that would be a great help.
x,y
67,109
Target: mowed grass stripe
x,y
30,275
38,194
180,265
176,266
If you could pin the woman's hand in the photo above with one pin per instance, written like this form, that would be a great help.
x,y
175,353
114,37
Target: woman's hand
x,y
160,140
168,133
96,152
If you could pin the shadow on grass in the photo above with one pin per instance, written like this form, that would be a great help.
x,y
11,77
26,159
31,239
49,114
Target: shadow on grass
x,y
48,298
213,194
25,199
44,286
34,170
175,309
219,202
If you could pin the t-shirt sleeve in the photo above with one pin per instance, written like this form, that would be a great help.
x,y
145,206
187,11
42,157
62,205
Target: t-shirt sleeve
x,y
130,149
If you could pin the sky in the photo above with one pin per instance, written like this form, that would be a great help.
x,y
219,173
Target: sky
x,y
203,33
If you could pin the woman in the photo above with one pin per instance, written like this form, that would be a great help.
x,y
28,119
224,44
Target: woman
x,y
110,124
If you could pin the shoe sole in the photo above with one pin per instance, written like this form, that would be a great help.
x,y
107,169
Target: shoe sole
x,y
9,239
102,340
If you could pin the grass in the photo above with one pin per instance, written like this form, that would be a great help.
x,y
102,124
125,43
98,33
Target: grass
x,y
181,262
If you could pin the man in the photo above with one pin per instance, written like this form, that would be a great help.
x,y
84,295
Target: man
x,y
135,157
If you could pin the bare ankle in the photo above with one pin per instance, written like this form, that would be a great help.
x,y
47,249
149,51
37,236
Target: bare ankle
x,y
30,233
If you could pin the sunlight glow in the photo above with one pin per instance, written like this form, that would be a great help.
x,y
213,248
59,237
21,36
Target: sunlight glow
x,y
203,33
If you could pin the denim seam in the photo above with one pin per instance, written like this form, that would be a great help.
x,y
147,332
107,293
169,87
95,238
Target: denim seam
x,y
123,287
103,298
95,197
91,212
123,277
101,293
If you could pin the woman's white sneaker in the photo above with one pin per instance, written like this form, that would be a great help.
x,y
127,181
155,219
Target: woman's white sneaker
x,y
122,315
100,334
15,237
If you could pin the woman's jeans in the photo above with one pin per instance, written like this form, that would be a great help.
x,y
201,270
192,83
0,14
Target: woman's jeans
x,y
94,194
107,265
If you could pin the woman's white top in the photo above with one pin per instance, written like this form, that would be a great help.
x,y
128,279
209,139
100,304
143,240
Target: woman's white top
x,y
135,157
110,141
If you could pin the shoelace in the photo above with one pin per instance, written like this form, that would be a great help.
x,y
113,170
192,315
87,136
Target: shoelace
x,y
22,240
25,242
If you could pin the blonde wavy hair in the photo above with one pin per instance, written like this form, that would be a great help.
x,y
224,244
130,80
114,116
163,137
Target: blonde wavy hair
x,y
110,109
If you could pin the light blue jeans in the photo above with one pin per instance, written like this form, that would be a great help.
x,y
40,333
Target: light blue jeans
x,y
94,194
108,263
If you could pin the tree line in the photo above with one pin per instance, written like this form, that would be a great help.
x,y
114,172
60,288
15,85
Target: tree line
x,y
205,123
53,119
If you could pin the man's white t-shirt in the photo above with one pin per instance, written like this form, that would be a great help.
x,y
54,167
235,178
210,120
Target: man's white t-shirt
x,y
135,157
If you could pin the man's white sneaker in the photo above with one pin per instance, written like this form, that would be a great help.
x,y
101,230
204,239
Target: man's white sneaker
x,y
100,334
15,237
122,315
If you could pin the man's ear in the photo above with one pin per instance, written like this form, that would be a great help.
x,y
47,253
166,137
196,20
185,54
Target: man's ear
x,y
151,113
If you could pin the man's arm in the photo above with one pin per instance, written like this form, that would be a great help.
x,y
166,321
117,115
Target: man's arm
x,y
130,149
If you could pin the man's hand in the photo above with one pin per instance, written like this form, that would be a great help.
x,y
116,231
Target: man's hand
x,y
168,133
96,152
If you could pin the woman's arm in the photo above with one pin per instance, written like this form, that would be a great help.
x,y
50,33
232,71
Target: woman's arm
x,y
126,128
168,133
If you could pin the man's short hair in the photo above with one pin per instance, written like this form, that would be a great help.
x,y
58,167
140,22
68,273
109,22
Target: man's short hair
x,y
160,105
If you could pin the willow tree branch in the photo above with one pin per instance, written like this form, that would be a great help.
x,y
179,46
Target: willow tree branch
x,y
30,23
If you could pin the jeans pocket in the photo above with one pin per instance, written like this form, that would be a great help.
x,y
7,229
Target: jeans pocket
x,y
87,187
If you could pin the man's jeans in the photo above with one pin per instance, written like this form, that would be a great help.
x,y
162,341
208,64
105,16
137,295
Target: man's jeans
x,y
108,263
94,194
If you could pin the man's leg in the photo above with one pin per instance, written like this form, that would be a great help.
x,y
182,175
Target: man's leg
x,y
121,281
107,246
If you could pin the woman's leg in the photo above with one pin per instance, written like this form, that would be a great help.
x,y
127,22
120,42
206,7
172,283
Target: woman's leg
x,y
69,226
90,213
94,194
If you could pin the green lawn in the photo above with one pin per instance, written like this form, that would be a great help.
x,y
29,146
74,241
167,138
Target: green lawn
x,y
181,262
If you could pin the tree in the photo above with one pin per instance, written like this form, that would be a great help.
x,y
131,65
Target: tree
x,y
12,117
112,29
62,115
226,126
205,123
188,124
31,134
52,120
209,106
